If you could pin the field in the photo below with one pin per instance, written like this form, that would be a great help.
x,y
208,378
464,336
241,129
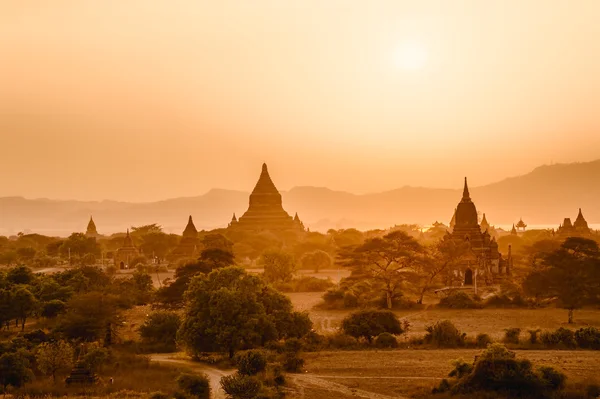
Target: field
x,y
408,372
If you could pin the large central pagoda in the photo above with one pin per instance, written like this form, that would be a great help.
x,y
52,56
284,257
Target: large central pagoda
x,y
265,211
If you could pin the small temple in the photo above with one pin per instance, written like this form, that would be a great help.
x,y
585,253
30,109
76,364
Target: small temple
x,y
188,245
91,229
485,226
521,225
126,254
265,210
483,260
513,231
578,229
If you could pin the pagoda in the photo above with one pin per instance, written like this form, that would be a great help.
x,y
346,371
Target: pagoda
x,y
579,228
513,231
485,226
188,245
265,210
126,254
482,259
521,225
91,229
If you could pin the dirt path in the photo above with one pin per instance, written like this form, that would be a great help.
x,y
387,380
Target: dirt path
x,y
303,381
214,375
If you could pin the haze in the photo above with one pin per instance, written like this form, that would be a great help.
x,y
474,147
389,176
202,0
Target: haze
x,y
138,101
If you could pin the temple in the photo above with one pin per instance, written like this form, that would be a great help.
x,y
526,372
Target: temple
x,y
188,245
483,261
126,254
265,210
91,229
485,226
578,229
521,225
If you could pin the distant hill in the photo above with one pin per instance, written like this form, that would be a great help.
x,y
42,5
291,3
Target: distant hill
x,y
542,197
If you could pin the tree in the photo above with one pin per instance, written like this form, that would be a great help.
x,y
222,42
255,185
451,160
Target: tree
x,y
385,259
89,317
78,245
20,275
53,308
26,254
158,243
571,274
278,265
161,328
217,258
14,370
7,311
217,241
23,303
316,260
229,310
446,254
146,229
52,357
371,323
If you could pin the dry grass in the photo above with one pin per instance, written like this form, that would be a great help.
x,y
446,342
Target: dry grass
x,y
414,372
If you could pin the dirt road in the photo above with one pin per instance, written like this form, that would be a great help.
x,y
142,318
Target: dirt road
x,y
214,374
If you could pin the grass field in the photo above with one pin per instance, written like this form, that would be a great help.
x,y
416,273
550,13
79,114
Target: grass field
x,y
413,372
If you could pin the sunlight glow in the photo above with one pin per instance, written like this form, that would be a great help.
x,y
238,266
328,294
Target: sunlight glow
x,y
411,55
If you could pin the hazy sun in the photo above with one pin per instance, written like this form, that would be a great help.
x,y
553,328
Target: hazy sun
x,y
411,55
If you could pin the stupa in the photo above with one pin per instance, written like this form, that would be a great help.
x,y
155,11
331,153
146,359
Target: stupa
x,y
188,245
579,228
91,229
265,210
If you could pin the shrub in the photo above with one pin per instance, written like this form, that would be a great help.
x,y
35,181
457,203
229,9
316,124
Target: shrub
x,y
238,386
196,385
461,368
158,395
350,300
588,338
562,337
292,362
371,323
554,380
511,335
251,362
312,284
341,341
483,340
53,308
459,300
333,294
386,340
161,328
444,334
533,336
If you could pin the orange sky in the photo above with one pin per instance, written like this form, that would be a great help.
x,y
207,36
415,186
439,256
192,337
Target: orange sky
x,y
139,100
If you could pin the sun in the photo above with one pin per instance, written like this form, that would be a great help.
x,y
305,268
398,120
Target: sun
x,y
411,55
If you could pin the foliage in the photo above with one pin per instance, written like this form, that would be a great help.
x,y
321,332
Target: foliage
x,y
160,329
23,303
444,334
196,385
511,335
278,265
483,340
52,309
15,370
386,340
458,300
570,273
52,357
371,323
251,362
588,338
239,386
229,310
316,260
562,337
387,260
534,336
20,275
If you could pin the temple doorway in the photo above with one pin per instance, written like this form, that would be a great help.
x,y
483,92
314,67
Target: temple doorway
x,y
122,265
468,277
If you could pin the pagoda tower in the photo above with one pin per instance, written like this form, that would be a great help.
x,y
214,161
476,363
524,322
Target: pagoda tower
x,y
580,224
465,221
188,245
265,210
91,229
126,254
485,226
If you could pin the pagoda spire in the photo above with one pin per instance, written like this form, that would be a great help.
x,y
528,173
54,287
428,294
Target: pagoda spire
x,y
466,195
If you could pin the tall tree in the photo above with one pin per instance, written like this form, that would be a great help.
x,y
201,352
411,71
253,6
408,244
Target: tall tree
x,y
52,357
278,265
571,274
387,260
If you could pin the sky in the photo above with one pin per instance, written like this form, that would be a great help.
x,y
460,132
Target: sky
x,y
144,100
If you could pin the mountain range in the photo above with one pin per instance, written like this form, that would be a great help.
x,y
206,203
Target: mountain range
x,y
545,196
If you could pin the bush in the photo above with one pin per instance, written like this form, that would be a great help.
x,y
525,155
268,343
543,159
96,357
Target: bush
x,y
588,338
292,362
511,335
350,300
158,395
341,341
312,284
562,337
459,300
483,340
251,362
196,385
444,334
53,308
554,380
159,331
386,340
238,386
371,323
533,336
